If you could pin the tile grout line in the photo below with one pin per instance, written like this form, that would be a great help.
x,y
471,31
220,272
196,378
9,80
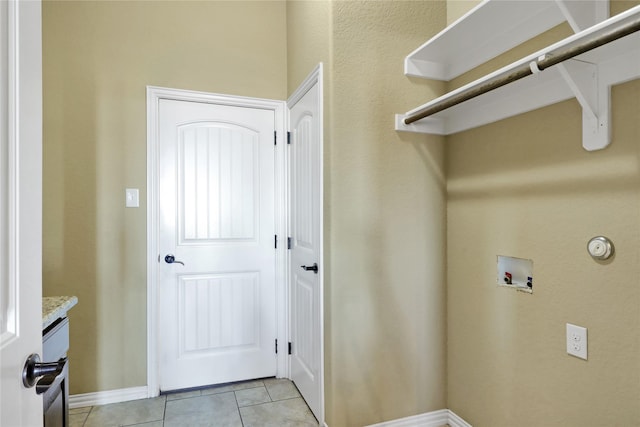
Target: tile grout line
x,y
235,396
87,417
164,411
212,394
275,401
267,388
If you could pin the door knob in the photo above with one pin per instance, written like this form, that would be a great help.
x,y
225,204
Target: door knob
x,y
313,268
170,259
33,369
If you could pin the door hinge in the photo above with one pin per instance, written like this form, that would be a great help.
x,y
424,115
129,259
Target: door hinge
x,y
288,137
288,242
289,348
275,137
276,345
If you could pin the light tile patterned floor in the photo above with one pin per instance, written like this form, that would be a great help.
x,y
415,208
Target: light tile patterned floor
x,y
260,403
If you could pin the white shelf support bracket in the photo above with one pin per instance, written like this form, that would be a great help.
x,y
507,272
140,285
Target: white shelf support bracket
x,y
583,14
594,98
420,68
430,125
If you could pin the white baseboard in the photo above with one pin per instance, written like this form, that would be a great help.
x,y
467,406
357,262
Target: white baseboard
x,y
429,419
106,397
456,421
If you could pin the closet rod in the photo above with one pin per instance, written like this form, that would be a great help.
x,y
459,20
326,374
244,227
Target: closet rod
x,y
523,70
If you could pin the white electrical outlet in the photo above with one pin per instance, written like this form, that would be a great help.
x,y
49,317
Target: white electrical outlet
x,y
577,341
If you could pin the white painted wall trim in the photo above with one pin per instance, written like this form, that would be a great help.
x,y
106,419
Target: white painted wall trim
x,y
428,419
456,421
106,397
154,95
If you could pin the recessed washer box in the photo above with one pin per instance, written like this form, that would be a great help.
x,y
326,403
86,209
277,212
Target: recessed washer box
x,y
516,273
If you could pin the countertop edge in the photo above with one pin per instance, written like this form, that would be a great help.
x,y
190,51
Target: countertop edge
x,y
54,308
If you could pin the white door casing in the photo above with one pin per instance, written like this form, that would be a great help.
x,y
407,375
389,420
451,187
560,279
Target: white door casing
x,y
20,207
215,197
306,193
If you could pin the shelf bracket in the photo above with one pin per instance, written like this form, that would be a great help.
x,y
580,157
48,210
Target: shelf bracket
x,y
432,125
594,98
580,15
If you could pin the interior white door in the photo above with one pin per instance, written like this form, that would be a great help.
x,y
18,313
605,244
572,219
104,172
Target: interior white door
x,y
20,207
306,244
216,214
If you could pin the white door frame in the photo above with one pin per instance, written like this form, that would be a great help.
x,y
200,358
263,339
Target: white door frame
x,y
154,95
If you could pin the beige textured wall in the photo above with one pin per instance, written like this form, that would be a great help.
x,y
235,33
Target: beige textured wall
x,y
387,216
384,210
98,59
309,43
525,187
457,8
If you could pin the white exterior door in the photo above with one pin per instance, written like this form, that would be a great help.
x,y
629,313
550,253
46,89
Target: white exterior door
x,y
306,241
217,319
20,207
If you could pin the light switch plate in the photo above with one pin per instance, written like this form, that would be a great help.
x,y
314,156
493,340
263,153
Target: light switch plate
x,y
577,341
132,196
